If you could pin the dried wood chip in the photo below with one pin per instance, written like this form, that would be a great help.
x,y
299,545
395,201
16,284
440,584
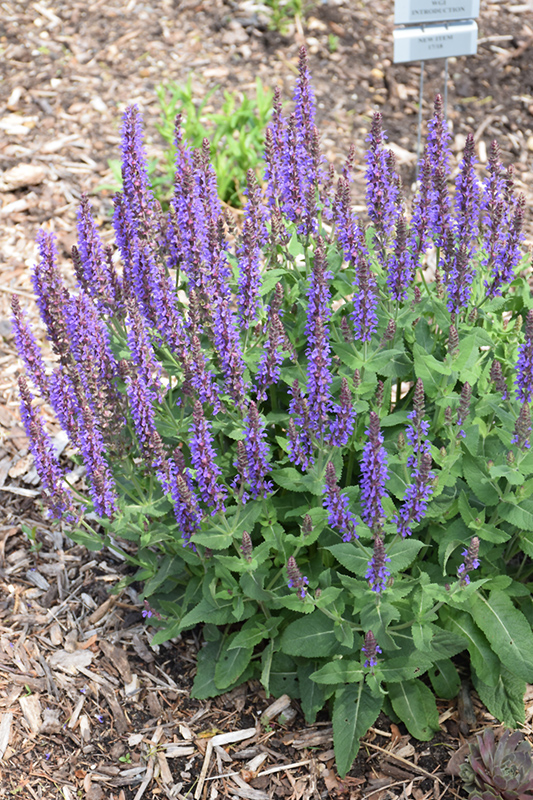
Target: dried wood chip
x,y
102,610
118,658
51,722
22,175
70,662
56,637
247,791
276,708
85,728
177,751
164,769
310,739
141,649
121,723
31,709
5,731
77,711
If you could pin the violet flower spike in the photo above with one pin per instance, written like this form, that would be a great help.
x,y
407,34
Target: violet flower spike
x,y
496,376
257,453
254,236
101,482
371,649
57,496
186,502
228,347
96,279
417,494
203,459
344,422
522,428
295,578
340,516
137,191
471,561
524,367
52,295
378,572
382,194
468,198
27,347
399,264
374,474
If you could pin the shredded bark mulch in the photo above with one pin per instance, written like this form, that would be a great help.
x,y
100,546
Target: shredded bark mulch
x,y
87,708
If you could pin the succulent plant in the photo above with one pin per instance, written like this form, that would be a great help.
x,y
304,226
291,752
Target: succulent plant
x,y
502,771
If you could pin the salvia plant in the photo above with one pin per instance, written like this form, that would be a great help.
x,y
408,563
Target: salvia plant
x,y
299,435
499,770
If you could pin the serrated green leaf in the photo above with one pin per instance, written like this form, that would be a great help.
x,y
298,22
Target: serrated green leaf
x,y
289,478
507,630
395,670
479,482
231,663
445,679
354,711
516,515
312,695
353,559
204,681
402,553
284,676
415,705
484,661
341,671
506,699
377,618
92,542
436,641
514,476
312,635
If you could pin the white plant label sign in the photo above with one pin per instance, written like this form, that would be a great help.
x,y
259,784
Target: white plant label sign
x,y
418,12
435,41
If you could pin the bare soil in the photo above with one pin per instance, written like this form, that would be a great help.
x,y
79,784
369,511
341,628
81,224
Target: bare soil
x,y
87,708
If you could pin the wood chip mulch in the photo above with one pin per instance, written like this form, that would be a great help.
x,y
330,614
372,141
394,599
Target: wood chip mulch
x,y
87,708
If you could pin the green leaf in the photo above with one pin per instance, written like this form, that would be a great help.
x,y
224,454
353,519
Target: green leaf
x,y
92,542
507,630
516,515
436,641
312,635
313,696
479,482
484,661
266,666
445,679
377,618
514,477
284,676
289,478
352,558
204,681
205,611
354,711
391,363
415,705
506,699
402,553
395,670
231,663
341,671
249,635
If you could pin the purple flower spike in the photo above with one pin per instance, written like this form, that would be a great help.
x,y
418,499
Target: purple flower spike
x,y
414,504
203,458
57,497
340,516
468,197
496,376
371,649
102,484
52,296
364,316
374,474
95,277
28,349
471,561
524,367
522,428
417,430
257,465
228,347
246,546
186,503
399,264
137,189
299,429
343,424
272,358
254,236
459,276
382,193
296,580
377,572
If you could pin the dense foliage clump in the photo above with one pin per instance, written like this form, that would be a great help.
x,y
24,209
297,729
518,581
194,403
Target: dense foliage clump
x,y
313,436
